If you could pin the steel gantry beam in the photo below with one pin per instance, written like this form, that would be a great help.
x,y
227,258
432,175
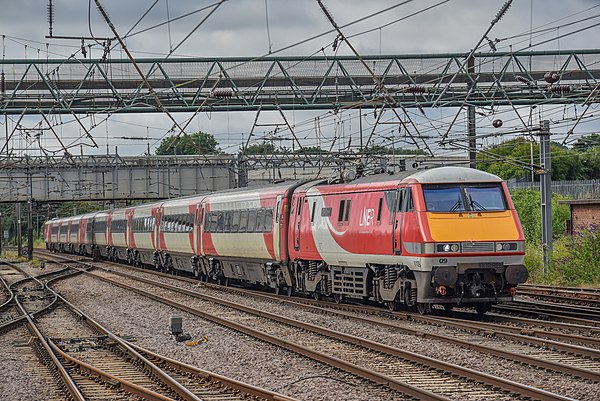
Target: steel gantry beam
x,y
271,83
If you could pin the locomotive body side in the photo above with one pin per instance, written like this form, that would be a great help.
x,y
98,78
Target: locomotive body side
x,y
386,241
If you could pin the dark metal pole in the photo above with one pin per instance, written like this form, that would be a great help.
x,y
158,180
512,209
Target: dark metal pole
x,y
19,244
471,119
29,229
546,195
360,128
1,232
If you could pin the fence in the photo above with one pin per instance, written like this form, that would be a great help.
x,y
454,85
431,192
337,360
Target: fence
x,y
575,189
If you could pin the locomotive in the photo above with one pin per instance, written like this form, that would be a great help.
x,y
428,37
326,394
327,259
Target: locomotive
x,y
447,235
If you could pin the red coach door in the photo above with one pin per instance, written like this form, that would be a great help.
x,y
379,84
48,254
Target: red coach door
x,y
401,205
298,220
277,232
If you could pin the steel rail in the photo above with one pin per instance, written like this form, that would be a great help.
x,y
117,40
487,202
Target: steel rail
x,y
126,385
52,349
144,355
546,313
501,383
593,329
66,378
174,385
557,297
577,290
315,355
213,377
487,328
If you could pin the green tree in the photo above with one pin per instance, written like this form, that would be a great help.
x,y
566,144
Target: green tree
x,y
198,143
263,148
509,159
587,142
590,160
311,150
527,203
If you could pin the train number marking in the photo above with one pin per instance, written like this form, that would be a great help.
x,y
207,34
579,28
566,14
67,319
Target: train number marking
x,y
366,218
443,261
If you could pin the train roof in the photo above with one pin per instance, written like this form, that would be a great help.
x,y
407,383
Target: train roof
x,y
453,174
437,175
444,174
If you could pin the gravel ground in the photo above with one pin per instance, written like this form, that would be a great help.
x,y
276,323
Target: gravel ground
x,y
554,382
23,376
226,352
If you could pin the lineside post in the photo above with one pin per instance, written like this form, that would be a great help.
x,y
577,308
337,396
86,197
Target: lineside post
x,y
19,234
546,195
471,119
29,229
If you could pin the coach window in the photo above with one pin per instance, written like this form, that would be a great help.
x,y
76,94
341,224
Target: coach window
x,y
220,222
243,221
406,200
341,211
379,210
347,215
235,222
260,221
268,220
312,213
252,216
227,221
214,221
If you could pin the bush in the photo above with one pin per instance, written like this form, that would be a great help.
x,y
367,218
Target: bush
x,y
527,203
576,258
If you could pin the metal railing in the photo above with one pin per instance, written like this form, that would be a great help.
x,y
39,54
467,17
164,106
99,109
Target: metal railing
x,y
574,189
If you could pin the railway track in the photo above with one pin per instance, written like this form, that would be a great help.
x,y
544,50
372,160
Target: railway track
x,y
94,364
387,362
591,295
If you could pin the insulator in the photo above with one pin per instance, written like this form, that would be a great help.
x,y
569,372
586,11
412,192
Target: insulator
x,y
502,11
551,77
50,15
415,89
522,79
224,93
560,88
497,123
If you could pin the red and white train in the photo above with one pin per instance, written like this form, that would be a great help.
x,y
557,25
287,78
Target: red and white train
x,y
447,235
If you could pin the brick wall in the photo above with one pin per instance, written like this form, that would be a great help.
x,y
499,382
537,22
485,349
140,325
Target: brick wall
x,y
585,215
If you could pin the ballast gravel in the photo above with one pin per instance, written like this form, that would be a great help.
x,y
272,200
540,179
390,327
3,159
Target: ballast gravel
x,y
546,380
22,376
225,352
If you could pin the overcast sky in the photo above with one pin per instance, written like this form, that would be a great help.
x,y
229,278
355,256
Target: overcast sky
x,y
257,27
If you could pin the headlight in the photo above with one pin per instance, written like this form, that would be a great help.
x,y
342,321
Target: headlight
x,y
440,248
517,246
